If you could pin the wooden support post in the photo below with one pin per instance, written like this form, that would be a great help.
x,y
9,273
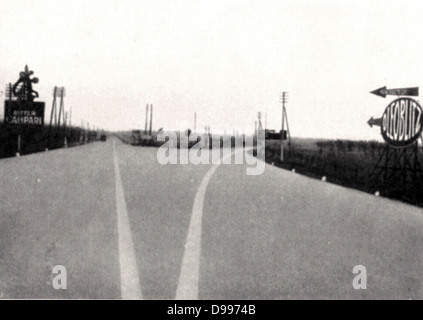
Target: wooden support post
x,y
19,146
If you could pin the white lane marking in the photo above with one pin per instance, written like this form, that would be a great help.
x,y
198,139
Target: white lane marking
x,y
129,278
189,277
190,271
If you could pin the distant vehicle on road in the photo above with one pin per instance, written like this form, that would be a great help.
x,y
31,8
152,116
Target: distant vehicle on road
x,y
103,137
136,137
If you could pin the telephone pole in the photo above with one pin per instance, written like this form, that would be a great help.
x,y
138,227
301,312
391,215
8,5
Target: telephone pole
x,y
285,133
260,124
146,119
151,120
265,121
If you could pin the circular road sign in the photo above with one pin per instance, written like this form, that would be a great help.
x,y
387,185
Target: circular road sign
x,y
402,122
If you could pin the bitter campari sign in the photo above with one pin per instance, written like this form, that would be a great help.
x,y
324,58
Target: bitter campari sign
x,y
20,109
24,113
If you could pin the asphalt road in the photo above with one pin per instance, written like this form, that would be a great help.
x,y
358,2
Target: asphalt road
x,y
125,226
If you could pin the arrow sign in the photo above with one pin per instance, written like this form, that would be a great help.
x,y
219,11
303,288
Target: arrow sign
x,y
383,92
375,122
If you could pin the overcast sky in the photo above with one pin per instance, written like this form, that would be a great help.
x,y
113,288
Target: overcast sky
x,y
225,60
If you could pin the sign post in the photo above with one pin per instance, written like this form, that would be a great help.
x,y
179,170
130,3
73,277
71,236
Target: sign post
x,y
401,126
19,145
20,110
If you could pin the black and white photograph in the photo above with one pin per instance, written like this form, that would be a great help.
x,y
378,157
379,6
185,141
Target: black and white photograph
x,y
211,154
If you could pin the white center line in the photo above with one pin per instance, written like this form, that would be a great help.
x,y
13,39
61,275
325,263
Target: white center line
x,y
129,278
189,277
190,271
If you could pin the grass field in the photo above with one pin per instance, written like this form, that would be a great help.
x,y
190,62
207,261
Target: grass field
x,y
351,164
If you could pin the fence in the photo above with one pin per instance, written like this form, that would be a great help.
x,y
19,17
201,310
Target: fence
x,y
37,140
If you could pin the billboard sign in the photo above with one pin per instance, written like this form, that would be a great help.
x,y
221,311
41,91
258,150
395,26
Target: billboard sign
x,y
402,122
272,135
24,113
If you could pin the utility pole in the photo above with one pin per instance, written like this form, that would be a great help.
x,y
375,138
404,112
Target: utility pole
x,y
65,142
260,128
146,120
284,101
259,121
62,108
285,134
195,122
53,116
151,120
70,118
265,121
